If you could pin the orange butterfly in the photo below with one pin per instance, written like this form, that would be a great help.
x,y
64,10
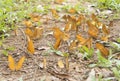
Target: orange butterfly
x,y
105,30
104,51
59,36
73,45
35,17
66,17
30,46
94,18
74,25
80,19
104,38
27,23
35,34
72,11
29,32
15,66
59,1
93,30
93,33
81,39
57,43
73,22
67,27
84,41
54,13
57,33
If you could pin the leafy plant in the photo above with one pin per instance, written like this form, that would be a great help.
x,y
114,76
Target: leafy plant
x,y
87,53
103,62
109,4
6,50
116,72
115,46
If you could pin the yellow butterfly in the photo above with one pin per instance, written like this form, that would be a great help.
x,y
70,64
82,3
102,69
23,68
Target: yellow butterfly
x,y
13,65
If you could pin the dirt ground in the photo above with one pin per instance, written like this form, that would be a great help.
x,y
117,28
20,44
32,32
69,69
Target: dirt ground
x,y
32,69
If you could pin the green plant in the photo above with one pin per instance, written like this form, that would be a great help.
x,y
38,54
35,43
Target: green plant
x,y
116,72
52,50
115,46
87,53
7,49
102,61
109,4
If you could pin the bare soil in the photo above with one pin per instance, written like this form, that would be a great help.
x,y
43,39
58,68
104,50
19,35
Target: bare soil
x,y
33,70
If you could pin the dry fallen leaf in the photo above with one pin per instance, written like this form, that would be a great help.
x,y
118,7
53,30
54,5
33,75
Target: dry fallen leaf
x,y
15,66
111,24
67,63
37,33
44,63
60,64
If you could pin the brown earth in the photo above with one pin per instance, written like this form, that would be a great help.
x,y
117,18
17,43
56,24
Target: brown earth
x,y
33,70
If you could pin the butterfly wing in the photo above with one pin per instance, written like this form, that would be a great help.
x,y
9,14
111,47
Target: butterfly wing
x,y
29,32
20,63
30,47
103,50
57,43
11,62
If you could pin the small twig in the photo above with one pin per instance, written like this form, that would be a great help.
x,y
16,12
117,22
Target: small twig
x,y
25,43
34,72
